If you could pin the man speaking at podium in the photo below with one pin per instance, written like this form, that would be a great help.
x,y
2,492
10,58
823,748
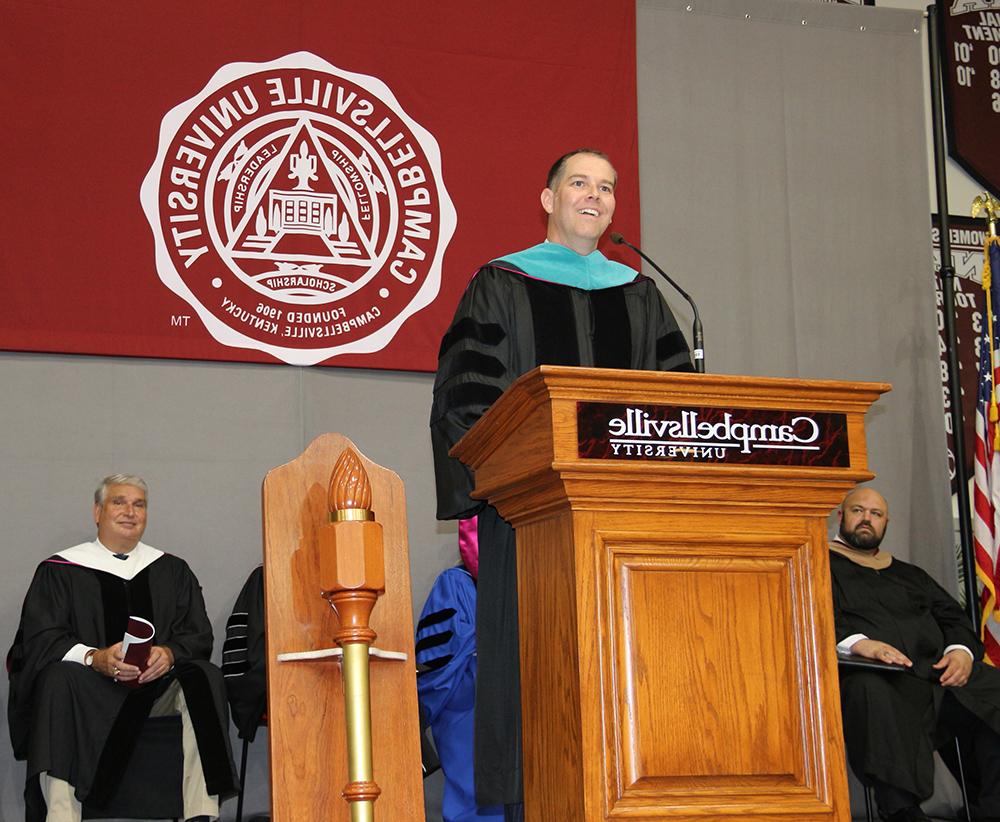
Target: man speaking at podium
x,y
561,302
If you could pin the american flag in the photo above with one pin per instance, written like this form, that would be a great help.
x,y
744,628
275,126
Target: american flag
x,y
986,489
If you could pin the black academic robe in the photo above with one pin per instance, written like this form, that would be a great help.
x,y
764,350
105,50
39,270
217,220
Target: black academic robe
x,y
507,324
890,719
80,726
243,657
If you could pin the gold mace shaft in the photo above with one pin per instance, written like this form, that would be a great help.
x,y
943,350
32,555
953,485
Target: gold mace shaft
x,y
358,716
352,577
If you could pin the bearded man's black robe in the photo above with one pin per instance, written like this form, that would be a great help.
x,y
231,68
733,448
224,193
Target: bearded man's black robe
x,y
890,719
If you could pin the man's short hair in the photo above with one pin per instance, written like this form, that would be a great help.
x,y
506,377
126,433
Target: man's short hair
x,y
559,165
101,492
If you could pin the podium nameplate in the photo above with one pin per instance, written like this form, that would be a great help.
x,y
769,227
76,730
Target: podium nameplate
x,y
733,436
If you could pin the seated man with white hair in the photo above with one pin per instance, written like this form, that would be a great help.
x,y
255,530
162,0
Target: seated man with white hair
x,y
76,705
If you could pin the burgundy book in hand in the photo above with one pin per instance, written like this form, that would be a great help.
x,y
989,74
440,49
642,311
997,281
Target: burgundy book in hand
x,y
137,644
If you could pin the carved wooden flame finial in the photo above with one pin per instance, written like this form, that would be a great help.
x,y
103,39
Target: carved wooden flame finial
x,y
350,494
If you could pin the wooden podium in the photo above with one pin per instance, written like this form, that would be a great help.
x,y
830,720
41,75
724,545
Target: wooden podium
x,y
677,642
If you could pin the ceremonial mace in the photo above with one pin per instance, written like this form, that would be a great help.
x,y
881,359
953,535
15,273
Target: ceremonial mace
x,y
352,576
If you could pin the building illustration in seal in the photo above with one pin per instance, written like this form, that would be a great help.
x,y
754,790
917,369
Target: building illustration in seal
x,y
313,223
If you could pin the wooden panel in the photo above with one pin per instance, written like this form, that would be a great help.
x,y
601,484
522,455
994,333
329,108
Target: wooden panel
x,y
308,749
699,634
710,699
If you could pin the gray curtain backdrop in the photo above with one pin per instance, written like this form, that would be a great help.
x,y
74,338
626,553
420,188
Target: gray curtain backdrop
x,y
782,162
783,181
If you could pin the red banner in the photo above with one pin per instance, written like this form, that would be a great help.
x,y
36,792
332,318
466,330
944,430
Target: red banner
x,y
306,184
970,51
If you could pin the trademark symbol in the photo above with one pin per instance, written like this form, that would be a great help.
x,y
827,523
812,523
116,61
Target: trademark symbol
x,y
179,320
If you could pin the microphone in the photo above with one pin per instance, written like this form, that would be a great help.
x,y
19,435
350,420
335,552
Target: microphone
x,y
698,334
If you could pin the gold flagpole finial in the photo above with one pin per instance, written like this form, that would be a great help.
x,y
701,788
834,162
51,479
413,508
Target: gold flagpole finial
x,y
987,204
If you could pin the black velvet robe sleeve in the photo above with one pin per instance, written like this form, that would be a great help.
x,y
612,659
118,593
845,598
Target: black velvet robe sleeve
x,y
476,364
672,352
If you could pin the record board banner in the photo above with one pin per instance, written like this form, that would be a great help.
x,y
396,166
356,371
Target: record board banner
x,y
966,237
733,436
970,50
307,184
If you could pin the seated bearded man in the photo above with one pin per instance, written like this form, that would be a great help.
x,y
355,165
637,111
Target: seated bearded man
x,y
893,612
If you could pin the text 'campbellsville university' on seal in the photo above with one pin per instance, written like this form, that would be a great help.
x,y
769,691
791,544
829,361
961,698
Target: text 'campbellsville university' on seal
x,y
702,434
298,209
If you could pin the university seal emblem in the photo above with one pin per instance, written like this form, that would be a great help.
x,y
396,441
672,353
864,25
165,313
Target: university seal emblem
x,y
298,209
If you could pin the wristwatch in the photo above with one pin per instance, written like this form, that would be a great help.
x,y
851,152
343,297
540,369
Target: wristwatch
x,y
88,659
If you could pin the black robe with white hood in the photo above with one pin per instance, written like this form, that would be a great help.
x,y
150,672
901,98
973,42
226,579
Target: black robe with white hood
x,y
78,725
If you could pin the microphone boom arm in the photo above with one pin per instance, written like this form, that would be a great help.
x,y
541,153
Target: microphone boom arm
x,y
697,333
